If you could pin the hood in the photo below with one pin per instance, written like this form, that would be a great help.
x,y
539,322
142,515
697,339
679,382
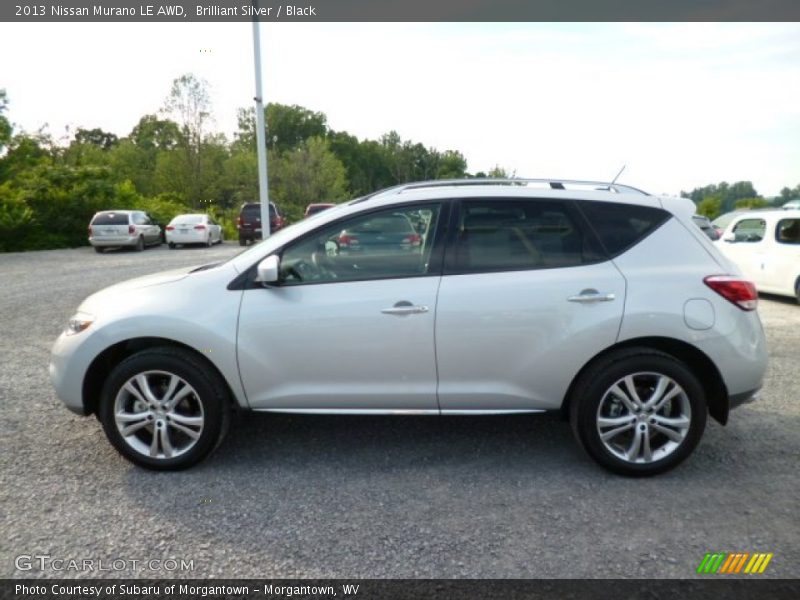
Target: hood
x,y
125,287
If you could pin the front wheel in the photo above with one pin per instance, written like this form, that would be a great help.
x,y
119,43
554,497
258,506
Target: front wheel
x,y
638,412
164,409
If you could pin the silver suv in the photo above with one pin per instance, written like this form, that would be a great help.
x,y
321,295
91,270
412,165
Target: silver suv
x,y
598,301
131,228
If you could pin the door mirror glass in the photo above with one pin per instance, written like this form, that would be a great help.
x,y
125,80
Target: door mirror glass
x,y
268,269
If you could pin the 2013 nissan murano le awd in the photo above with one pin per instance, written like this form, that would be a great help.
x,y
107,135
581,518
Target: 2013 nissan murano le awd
x,y
442,298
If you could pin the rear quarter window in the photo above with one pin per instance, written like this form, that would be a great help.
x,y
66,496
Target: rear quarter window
x,y
622,226
110,219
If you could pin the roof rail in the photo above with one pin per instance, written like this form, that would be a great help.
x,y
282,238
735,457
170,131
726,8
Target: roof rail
x,y
555,184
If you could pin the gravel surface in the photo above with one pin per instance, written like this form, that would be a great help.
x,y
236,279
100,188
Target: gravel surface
x,y
290,496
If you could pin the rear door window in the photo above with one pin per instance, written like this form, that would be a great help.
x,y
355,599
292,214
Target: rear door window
x,y
111,219
788,231
621,226
749,230
511,235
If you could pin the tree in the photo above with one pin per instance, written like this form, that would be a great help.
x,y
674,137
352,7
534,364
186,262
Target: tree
x,y
287,126
789,194
710,206
190,103
96,137
5,125
452,165
152,133
309,173
727,193
497,172
750,203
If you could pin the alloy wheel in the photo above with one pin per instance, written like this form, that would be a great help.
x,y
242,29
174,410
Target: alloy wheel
x,y
158,414
644,417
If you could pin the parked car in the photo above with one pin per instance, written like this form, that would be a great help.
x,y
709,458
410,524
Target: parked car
x,y
704,223
249,221
386,233
792,205
313,209
123,228
766,247
193,229
607,306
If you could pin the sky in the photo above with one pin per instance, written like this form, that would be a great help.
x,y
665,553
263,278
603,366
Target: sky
x,y
681,105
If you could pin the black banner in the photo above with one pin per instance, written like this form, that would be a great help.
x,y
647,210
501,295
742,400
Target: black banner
x,y
408,10
733,588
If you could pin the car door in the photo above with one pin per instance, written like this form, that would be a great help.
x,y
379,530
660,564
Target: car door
x,y
745,245
527,298
782,261
345,331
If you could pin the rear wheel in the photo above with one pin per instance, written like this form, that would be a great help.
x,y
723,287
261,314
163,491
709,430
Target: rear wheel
x,y
163,409
797,290
209,241
140,244
638,412
171,245
242,241
99,250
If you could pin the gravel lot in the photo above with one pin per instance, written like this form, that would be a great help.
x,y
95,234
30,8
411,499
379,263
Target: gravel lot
x,y
290,496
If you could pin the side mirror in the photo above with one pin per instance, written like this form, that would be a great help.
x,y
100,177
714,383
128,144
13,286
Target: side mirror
x,y
268,270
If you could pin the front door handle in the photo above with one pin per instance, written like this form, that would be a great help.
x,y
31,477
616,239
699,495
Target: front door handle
x,y
404,307
590,295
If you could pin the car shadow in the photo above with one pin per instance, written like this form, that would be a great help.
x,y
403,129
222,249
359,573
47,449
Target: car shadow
x,y
298,490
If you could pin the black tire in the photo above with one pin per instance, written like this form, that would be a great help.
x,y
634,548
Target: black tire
x,y
139,244
210,393
99,250
593,388
242,241
221,237
171,245
209,242
797,290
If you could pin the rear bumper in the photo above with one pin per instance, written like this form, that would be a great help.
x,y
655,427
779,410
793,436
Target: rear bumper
x,y
114,241
736,400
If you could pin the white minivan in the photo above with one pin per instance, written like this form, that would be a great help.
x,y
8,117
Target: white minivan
x,y
766,247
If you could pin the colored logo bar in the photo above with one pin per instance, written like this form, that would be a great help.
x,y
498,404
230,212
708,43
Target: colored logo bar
x,y
726,563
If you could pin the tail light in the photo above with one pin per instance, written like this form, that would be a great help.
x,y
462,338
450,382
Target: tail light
x,y
170,228
740,292
239,222
131,229
413,240
200,227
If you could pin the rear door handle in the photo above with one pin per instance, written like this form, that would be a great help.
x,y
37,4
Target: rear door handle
x,y
589,296
404,308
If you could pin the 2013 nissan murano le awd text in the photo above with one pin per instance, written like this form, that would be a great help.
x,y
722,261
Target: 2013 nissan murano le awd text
x,y
466,297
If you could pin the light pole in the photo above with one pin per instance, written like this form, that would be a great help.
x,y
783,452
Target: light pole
x,y
261,142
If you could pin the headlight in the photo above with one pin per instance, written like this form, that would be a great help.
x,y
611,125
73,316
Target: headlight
x,y
78,323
